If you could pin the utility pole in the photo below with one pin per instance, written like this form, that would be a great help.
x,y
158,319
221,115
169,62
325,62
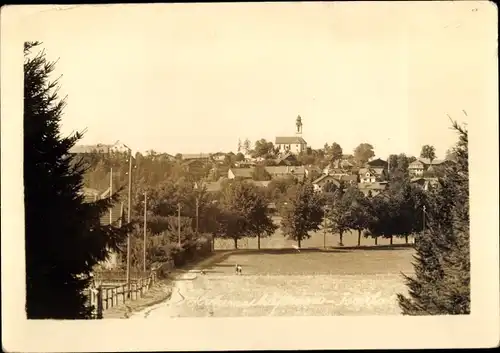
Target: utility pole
x,y
121,215
179,222
128,216
120,222
110,195
423,225
145,220
197,212
324,228
197,205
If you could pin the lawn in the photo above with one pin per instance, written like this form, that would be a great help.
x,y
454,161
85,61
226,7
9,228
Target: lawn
x,y
347,261
284,282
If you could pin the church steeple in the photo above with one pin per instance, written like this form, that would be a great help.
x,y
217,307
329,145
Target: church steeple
x,y
298,123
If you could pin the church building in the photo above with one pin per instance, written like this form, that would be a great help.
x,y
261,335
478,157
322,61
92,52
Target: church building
x,y
292,144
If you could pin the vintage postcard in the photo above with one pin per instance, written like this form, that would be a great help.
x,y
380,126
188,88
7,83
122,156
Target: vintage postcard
x,y
247,176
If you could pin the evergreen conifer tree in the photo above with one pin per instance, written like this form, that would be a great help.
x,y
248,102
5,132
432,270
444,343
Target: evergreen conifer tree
x,y
63,236
441,285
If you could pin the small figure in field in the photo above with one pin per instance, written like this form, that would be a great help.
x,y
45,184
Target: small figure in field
x,y
238,269
202,272
296,247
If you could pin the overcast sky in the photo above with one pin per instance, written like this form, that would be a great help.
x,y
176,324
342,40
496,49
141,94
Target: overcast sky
x,y
194,78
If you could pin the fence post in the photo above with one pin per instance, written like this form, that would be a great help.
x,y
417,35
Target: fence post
x,y
99,302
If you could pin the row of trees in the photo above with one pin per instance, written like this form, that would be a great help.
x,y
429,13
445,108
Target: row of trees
x,y
398,212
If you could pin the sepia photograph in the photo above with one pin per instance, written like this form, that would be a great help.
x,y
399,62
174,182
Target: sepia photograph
x,y
251,161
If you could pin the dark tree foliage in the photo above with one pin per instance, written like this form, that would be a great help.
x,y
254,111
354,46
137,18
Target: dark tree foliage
x,y
302,212
64,238
243,212
441,285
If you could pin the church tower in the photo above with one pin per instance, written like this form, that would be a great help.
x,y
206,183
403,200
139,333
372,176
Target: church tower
x,y
298,123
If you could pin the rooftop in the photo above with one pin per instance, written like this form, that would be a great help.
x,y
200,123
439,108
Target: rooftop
x,y
372,186
274,170
434,161
188,156
99,148
242,172
288,140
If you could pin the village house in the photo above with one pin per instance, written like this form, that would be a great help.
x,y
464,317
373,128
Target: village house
x,y
378,167
339,165
117,147
347,180
424,183
416,168
320,182
351,179
372,189
367,175
300,172
313,171
164,157
196,166
83,149
287,158
330,170
240,173
245,164
196,156
218,157
292,144
421,165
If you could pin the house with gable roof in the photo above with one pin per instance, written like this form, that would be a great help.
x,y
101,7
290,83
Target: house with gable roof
x,y
240,173
117,147
321,182
372,189
421,165
379,166
367,175
299,172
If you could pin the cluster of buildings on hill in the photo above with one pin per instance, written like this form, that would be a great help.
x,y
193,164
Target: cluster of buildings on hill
x,y
371,178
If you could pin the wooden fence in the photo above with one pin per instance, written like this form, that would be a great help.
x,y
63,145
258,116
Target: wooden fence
x,y
103,297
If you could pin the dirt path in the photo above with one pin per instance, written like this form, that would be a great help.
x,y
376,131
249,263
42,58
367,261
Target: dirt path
x,y
182,285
